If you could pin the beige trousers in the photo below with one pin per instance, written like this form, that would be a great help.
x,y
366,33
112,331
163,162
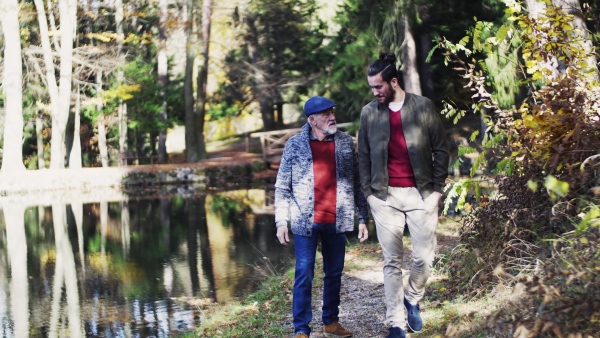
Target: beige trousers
x,y
404,206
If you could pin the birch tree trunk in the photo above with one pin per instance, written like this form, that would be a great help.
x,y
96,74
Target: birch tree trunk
x,y
125,228
203,75
535,9
75,154
122,109
163,79
102,147
60,97
410,66
19,282
191,145
12,159
574,8
65,272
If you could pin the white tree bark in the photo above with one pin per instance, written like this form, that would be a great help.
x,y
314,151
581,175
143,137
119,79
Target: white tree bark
x,y
13,87
410,65
66,272
535,9
573,7
122,109
125,228
75,155
60,97
19,282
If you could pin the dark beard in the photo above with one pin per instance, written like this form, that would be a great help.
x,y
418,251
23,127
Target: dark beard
x,y
389,97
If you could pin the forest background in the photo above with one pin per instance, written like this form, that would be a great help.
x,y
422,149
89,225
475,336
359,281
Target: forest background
x,y
124,73
92,83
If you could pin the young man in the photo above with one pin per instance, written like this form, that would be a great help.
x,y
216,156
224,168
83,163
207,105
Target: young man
x,y
319,188
403,163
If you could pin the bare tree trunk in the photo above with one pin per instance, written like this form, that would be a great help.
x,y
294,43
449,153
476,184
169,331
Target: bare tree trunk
x,y
573,7
410,68
102,146
60,98
122,109
265,99
102,141
125,228
19,282
191,145
75,154
103,226
39,127
163,79
65,272
13,87
203,74
425,46
535,9
267,112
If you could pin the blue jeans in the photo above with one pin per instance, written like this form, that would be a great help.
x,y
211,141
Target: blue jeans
x,y
333,250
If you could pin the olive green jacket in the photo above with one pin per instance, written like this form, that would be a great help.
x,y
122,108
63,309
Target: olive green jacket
x,y
425,139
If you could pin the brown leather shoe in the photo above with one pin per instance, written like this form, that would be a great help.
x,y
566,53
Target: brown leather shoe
x,y
336,329
301,335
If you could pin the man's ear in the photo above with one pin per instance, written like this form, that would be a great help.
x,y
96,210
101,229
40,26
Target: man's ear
x,y
394,82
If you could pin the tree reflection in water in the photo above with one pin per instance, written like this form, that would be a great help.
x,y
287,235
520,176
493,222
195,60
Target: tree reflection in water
x,y
136,267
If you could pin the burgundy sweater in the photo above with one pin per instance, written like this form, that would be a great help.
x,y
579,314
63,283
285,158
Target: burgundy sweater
x,y
323,153
399,169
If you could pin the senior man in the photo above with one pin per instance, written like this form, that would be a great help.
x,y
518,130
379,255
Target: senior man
x,y
318,189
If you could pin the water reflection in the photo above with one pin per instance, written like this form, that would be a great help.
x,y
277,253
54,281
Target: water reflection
x,y
131,268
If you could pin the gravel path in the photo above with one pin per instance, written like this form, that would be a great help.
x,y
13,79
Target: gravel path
x,y
362,308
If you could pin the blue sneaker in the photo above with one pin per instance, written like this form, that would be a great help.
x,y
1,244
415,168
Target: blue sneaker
x,y
396,332
413,316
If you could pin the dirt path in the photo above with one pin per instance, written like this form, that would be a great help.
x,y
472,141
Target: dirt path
x,y
362,308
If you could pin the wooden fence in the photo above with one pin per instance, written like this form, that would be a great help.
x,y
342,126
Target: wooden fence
x,y
273,142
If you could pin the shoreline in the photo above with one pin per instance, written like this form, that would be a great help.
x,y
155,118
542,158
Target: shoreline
x,y
47,186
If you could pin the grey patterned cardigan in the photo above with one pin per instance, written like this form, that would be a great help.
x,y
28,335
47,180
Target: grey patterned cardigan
x,y
294,188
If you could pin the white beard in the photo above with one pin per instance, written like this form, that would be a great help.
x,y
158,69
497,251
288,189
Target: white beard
x,y
330,130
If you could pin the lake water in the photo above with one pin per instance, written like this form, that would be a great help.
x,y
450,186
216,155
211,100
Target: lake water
x,y
137,267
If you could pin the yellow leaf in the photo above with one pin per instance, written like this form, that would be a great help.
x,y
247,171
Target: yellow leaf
x,y
584,240
531,64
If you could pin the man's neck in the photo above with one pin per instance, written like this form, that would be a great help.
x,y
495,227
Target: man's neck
x,y
399,97
317,134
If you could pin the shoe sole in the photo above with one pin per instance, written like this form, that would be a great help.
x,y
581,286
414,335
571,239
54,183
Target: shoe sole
x,y
335,336
408,325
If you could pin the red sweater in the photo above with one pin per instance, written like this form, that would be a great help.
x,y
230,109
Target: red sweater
x,y
323,153
399,169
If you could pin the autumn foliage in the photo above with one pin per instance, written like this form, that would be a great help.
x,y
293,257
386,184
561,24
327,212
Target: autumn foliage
x,y
539,230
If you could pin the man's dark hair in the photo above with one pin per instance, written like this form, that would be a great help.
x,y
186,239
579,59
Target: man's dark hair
x,y
386,65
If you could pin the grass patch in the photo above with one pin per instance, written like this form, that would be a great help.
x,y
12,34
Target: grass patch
x,y
262,314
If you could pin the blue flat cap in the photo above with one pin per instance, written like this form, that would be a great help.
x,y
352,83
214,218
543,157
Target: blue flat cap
x,y
317,104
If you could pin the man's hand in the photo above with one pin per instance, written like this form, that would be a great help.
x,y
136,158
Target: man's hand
x,y
363,232
282,235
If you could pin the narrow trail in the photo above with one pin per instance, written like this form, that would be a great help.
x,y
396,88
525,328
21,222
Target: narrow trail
x,y
362,308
